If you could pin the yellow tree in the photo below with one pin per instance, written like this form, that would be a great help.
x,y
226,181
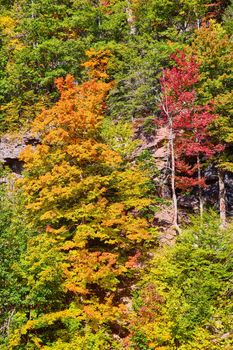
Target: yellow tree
x,y
87,208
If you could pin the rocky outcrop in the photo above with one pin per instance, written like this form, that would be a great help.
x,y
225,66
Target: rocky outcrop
x,y
157,144
11,147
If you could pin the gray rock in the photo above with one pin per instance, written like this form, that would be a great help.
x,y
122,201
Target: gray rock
x,y
11,147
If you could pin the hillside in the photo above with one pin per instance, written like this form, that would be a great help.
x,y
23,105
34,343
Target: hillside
x,y
116,139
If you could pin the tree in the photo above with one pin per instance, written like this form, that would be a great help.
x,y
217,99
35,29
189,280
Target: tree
x,y
188,122
169,19
213,49
52,38
13,243
183,300
87,209
227,18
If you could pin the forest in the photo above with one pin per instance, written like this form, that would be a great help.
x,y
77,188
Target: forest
x,y
116,174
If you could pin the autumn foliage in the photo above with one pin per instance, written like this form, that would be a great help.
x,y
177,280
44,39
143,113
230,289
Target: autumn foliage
x,y
123,110
190,120
86,208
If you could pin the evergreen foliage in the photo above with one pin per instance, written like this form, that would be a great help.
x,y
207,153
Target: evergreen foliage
x,y
14,234
185,300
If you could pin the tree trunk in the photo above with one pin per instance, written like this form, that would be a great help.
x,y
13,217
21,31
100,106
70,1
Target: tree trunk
x,y
173,164
130,18
222,198
201,204
173,174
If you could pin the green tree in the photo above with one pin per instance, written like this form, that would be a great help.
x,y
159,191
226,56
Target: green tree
x,y
228,18
213,49
13,243
48,46
185,300
169,19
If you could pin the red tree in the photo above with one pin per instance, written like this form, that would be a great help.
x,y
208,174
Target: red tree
x,y
189,142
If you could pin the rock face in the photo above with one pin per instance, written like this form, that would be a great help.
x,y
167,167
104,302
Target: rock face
x,y
157,144
161,150
11,147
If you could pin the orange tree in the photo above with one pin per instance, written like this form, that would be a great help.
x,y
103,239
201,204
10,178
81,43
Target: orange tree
x,y
87,208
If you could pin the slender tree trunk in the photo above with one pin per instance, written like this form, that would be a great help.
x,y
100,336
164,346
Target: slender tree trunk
x,y
222,198
201,204
173,174
98,19
32,13
130,18
173,164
